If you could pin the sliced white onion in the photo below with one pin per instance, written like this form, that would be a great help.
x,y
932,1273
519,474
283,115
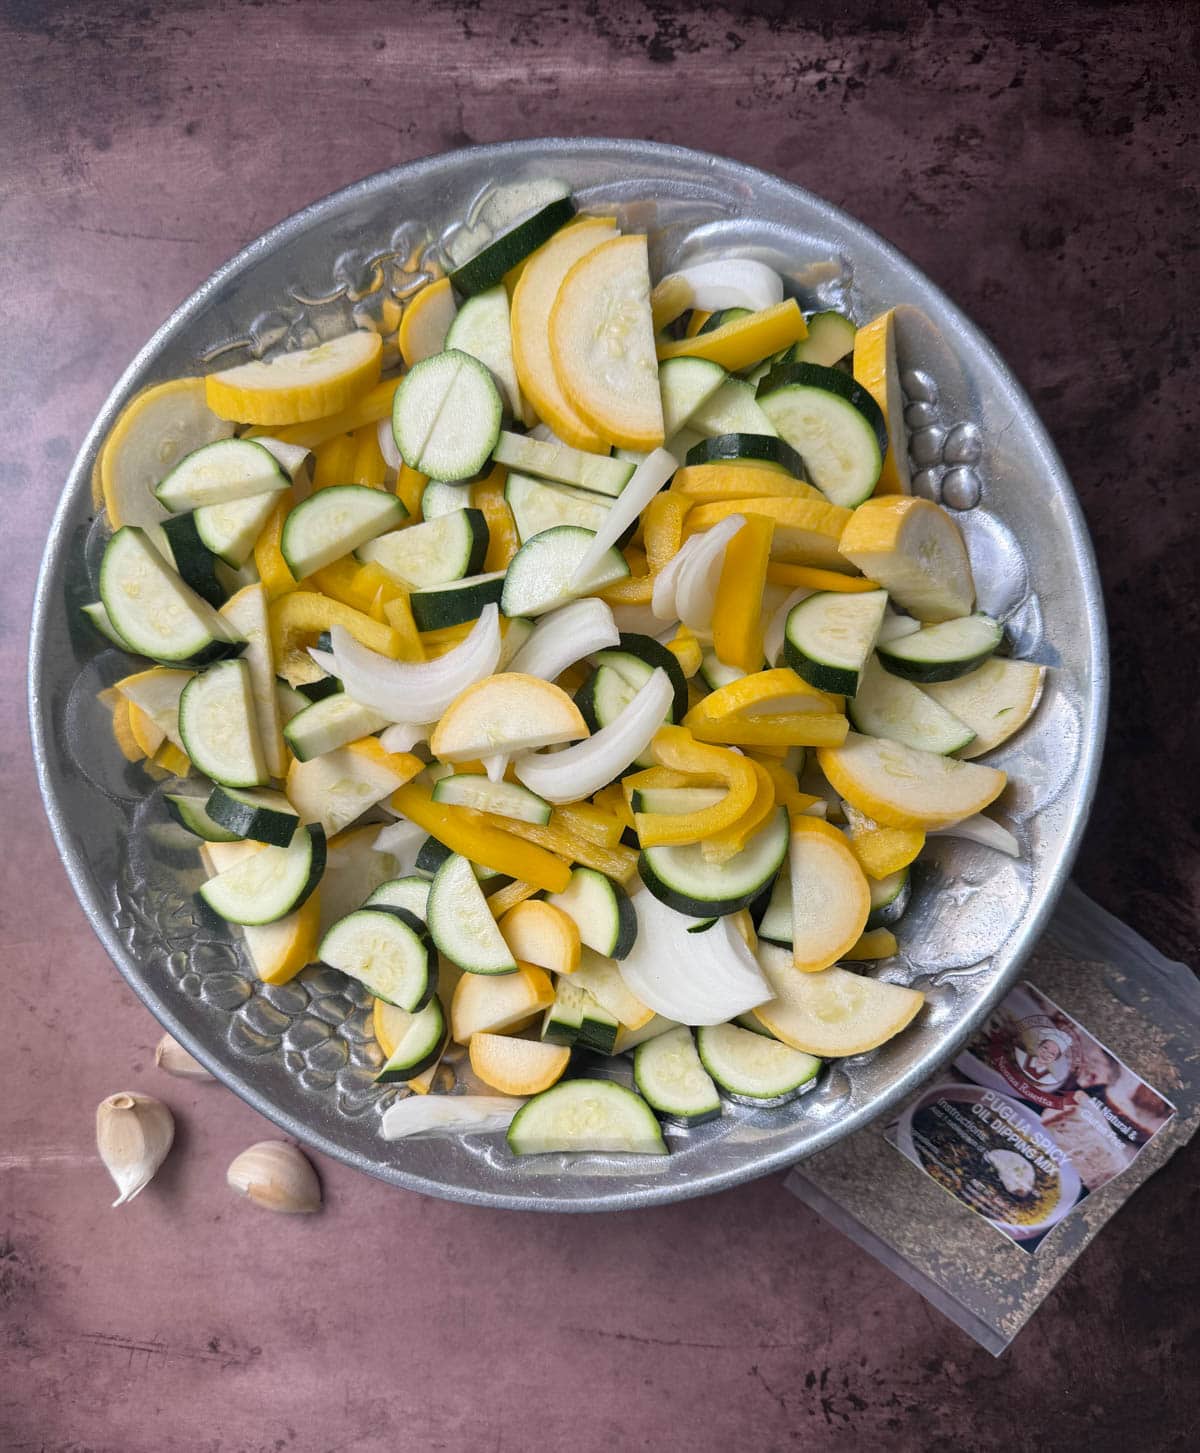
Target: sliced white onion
x,y
495,766
289,457
421,691
324,660
636,620
405,735
693,978
546,434
449,1115
387,445
584,768
700,574
403,840
732,282
773,635
644,483
983,830
565,636
662,602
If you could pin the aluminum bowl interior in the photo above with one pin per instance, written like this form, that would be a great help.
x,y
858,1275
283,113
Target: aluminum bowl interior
x,y
302,1054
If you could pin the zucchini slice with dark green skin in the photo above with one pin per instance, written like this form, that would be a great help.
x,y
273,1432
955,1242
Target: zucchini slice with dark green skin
x,y
683,879
261,816
490,264
420,1045
671,1079
455,602
829,637
196,563
601,910
729,448
752,1069
833,423
943,652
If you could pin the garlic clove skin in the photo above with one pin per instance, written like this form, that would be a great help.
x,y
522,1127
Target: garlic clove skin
x,y
276,1176
133,1135
171,1057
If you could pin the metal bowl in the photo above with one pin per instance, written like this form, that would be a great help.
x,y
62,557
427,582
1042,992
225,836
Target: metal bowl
x,y
303,1053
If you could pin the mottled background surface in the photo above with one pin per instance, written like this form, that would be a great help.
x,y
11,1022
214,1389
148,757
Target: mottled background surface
x,y
1037,161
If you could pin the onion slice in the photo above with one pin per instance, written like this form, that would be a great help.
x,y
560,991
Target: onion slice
x,y
565,636
983,830
662,602
403,840
420,692
644,483
387,445
700,574
732,282
773,635
405,735
448,1115
584,768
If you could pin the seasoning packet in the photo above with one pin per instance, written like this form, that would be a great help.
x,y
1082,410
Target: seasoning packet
x,y
986,1185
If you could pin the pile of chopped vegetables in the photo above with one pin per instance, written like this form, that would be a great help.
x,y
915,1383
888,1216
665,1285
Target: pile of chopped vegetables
x,y
589,686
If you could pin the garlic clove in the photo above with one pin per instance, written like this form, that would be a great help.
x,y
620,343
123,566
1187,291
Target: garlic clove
x,y
133,1135
276,1176
171,1057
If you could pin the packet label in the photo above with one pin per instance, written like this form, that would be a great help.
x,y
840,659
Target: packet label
x,y
1036,1114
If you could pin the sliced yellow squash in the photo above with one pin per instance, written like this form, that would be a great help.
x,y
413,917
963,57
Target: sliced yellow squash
x,y
879,943
517,1066
712,483
532,302
738,614
830,895
746,341
280,950
494,1003
995,701
123,732
602,344
155,692
540,933
832,1013
339,786
877,369
807,532
368,408
810,577
154,432
296,387
426,321
915,551
899,786
509,712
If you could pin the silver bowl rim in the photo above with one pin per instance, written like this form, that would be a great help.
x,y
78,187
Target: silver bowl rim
x,y
1017,949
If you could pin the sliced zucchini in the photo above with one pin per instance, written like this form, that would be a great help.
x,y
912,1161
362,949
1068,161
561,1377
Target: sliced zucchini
x,y
601,978
894,626
270,883
886,706
190,812
446,416
260,816
231,528
586,1115
98,617
601,700
446,547
387,950
830,339
537,505
833,422
152,609
481,328
829,638
443,497
637,657
333,722
754,1070
411,893
432,854
219,728
721,317
542,574
247,615
889,898
226,470
333,522
507,799
776,923
731,410
943,652
316,690
599,1028
686,384
671,1079
629,1039
554,460
564,1017
602,912
419,1040
462,924
489,265
996,700
681,800
683,879
457,601
194,561
747,448
715,673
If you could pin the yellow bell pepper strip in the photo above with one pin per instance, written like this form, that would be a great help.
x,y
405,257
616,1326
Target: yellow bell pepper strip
x,y
410,486
617,862
809,577
784,729
746,341
738,613
881,850
761,694
503,540
172,760
876,943
677,748
334,461
509,896
369,466
298,618
123,732
340,581
670,299
787,791
662,527
650,778
697,321
806,531
476,836
398,613
273,569
594,823
631,590
723,845
713,483
686,650
611,799
374,405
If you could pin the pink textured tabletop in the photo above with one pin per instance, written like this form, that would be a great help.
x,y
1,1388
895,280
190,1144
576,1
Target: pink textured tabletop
x,y
1037,161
